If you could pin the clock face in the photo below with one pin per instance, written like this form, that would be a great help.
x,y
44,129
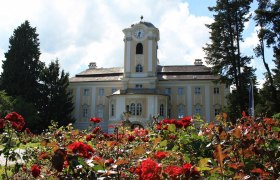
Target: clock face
x,y
139,33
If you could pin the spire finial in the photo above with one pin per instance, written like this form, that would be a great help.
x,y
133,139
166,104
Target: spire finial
x,y
141,17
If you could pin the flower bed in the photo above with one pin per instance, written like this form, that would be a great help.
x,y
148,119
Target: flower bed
x,y
170,149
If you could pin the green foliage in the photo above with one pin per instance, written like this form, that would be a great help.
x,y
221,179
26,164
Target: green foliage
x,y
22,66
224,53
268,19
218,150
6,104
55,102
29,111
40,92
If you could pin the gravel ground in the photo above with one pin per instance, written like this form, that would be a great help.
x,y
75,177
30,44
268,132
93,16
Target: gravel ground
x,y
3,160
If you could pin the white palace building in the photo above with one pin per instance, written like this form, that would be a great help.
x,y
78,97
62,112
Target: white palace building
x,y
145,87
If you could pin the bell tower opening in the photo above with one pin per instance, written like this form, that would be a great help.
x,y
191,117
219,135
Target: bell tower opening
x,y
139,48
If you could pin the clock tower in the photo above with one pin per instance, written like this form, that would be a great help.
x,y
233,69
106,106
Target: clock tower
x,y
140,54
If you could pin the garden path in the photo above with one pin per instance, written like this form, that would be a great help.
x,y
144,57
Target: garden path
x,y
20,160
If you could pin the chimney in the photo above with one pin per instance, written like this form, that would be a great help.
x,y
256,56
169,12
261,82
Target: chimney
x,y
198,62
92,65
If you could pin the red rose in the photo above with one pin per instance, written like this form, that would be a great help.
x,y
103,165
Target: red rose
x,y
131,138
88,137
160,155
96,130
95,120
150,170
186,121
174,172
179,124
16,119
66,164
82,149
158,127
172,136
166,121
172,121
35,170
190,170
187,167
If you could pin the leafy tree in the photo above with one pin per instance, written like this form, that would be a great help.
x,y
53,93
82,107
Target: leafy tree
x,y
56,101
22,66
6,104
224,53
29,112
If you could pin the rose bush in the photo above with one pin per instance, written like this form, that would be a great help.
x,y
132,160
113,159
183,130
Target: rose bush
x,y
186,148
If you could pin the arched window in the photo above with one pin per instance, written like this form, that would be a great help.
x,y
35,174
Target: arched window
x,y
112,109
139,68
132,109
161,110
85,111
138,109
139,48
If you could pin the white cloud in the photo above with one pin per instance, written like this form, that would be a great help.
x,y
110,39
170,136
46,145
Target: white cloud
x,y
79,32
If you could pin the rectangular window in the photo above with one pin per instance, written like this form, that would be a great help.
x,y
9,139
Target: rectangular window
x,y
180,91
86,92
114,90
112,110
216,90
198,111
100,111
168,91
169,113
181,111
85,112
161,110
138,86
197,90
101,91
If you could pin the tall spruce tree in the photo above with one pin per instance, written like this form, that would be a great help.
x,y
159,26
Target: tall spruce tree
x,y
21,68
56,101
224,55
268,19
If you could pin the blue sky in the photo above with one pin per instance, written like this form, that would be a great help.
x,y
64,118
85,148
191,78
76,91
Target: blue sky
x,y
79,32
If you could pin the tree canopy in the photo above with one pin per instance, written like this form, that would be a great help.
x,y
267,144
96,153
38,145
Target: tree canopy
x,y
224,54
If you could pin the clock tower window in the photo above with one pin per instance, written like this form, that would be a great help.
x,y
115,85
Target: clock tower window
x,y
139,68
139,48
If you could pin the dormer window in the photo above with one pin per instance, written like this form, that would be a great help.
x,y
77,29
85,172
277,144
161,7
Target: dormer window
x,y
139,48
139,68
